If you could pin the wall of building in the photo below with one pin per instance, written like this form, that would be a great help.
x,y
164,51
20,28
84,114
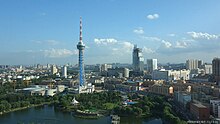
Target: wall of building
x,y
199,111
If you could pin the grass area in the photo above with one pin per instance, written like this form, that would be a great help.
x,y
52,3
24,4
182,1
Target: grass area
x,y
92,110
110,106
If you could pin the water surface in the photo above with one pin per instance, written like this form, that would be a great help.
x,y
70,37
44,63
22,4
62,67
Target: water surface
x,y
49,115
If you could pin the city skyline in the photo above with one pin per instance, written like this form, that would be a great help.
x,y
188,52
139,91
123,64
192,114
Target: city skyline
x,y
47,31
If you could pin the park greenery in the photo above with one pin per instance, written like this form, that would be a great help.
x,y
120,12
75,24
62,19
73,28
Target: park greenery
x,y
149,107
96,102
11,100
110,102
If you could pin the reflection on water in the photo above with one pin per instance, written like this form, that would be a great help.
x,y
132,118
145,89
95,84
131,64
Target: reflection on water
x,y
133,120
48,115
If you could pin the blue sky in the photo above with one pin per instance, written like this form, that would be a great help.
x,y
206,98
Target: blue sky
x,y
47,31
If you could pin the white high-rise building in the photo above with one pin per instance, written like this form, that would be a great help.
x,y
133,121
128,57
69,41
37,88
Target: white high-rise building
x,y
64,71
193,64
105,67
54,69
126,72
207,68
151,65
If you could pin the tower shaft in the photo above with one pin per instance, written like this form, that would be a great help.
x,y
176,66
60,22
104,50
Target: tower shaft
x,y
81,68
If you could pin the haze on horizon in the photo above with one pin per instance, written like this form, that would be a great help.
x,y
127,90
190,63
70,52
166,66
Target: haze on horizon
x,y
46,31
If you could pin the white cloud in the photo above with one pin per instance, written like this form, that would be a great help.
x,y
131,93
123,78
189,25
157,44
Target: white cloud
x,y
139,30
166,44
52,42
123,48
172,35
181,44
115,49
58,53
47,42
153,16
127,46
205,36
175,45
151,38
105,41
148,50
111,46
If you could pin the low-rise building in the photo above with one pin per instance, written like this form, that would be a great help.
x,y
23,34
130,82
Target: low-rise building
x,y
215,107
169,75
199,111
161,89
182,97
118,72
97,80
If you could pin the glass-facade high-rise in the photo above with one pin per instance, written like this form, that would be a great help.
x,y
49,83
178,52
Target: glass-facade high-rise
x,y
138,59
216,69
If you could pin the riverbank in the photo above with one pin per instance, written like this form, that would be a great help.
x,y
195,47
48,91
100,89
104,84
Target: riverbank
x,y
26,107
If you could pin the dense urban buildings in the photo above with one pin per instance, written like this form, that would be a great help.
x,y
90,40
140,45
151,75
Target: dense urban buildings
x,y
193,64
195,97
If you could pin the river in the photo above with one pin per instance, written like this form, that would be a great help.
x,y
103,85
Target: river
x,y
48,115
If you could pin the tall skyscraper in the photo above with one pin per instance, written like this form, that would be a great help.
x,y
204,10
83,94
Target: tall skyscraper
x,y
151,65
216,69
193,64
81,47
138,59
64,71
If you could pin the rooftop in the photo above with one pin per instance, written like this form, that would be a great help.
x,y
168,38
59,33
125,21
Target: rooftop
x,y
199,105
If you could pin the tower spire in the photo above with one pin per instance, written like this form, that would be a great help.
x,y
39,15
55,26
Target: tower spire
x,y
80,34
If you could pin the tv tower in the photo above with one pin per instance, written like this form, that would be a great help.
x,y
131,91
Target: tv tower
x,y
81,47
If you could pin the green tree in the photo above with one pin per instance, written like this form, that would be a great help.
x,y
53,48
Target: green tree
x,y
2,108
